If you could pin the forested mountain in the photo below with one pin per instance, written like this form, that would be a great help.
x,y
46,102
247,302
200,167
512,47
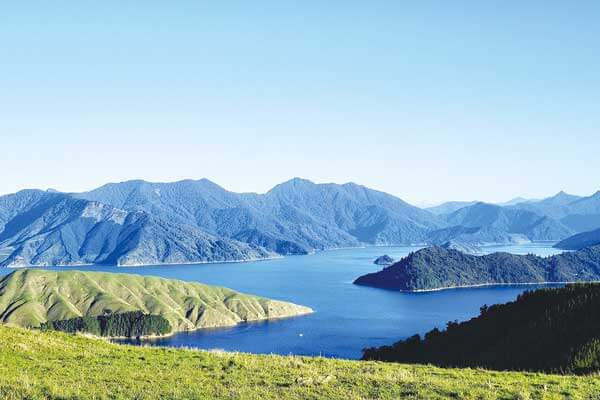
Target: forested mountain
x,y
438,268
553,330
138,222
294,217
43,228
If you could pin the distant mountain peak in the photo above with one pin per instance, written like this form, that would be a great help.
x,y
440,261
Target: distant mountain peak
x,y
561,198
352,184
298,181
484,205
292,184
562,194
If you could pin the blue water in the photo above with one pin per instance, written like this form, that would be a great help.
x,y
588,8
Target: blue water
x,y
347,317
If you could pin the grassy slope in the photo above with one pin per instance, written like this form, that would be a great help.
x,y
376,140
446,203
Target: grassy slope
x,y
36,365
30,297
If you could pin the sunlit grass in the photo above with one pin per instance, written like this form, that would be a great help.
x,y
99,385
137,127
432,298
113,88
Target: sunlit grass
x,y
50,365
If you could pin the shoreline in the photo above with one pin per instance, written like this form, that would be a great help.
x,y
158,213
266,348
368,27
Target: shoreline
x,y
152,337
241,261
481,285
271,258
175,332
75,265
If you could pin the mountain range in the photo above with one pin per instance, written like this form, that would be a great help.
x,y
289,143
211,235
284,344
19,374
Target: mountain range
x,y
138,222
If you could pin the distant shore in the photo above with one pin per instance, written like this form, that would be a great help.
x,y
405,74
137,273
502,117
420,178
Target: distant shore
x,y
274,257
75,265
478,285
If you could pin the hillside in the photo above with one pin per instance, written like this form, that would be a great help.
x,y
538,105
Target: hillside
x,y
580,241
45,228
438,268
38,365
553,330
29,298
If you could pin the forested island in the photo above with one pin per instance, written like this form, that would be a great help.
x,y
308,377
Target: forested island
x,y
552,330
435,268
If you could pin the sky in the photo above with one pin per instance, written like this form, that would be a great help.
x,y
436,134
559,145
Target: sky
x,y
428,100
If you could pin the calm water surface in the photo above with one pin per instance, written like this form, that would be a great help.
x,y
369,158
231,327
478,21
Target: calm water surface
x,y
347,317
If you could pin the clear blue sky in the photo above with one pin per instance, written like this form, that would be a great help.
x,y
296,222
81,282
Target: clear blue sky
x,y
429,101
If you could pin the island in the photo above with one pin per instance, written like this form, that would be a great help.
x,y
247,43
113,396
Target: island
x,y
137,305
436,268
384,260
552,330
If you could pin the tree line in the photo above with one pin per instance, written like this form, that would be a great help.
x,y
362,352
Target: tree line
x,y
126,324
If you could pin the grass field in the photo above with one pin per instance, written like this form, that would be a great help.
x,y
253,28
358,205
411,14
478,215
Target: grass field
x,y
51,365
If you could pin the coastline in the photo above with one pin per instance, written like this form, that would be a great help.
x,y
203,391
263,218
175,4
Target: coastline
x,y
270,258
480,285
239,261
75,265
175,332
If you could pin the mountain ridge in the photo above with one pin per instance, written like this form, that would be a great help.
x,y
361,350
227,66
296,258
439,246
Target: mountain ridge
x,y
138,222
314,216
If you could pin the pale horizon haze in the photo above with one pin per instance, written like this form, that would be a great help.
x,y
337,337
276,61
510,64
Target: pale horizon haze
x,y
430,102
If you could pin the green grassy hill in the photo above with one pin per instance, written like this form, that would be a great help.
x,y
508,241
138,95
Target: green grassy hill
x,y
52,365
29,298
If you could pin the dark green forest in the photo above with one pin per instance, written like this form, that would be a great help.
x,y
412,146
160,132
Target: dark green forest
x,y
436,267
552,330
127,324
